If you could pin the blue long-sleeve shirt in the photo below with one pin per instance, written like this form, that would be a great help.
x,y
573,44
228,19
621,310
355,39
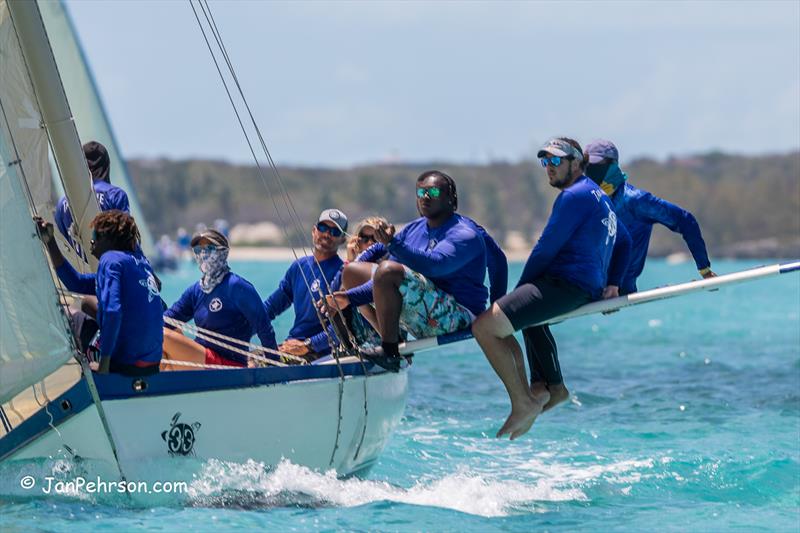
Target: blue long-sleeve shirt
x,y
108,197
128,305
233,308
496,266
496,263
578,241
292,290
452,256
639,210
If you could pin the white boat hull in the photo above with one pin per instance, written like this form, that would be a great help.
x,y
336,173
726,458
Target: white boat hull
x,y
297,420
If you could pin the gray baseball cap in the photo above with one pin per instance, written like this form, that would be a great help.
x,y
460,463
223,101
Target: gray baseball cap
x,y
601,149
335,216
561,148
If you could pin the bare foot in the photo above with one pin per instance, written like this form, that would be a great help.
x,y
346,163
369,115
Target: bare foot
x,y
558,394
540,392
521,418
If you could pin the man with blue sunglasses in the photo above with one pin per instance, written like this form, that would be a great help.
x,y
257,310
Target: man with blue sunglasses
x,y
640,211
580,256
307,280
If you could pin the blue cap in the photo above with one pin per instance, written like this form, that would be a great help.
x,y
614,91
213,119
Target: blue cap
x,y
601,149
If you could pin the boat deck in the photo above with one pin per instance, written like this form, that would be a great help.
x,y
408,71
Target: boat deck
x,y
29,401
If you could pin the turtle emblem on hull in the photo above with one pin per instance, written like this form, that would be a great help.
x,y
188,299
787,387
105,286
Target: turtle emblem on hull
x,y
180,437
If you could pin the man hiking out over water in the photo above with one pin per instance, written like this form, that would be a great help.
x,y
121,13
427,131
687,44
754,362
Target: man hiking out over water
x,y
639,210
570,266
433,281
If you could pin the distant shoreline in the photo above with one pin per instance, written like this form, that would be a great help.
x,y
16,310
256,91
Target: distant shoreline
x,y
278,253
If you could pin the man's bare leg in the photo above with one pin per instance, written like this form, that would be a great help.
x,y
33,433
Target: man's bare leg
x,y
388,300
355,274
495,335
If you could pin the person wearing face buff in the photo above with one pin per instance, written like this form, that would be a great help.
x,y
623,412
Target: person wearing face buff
x,y
639,210
108,196
579,257
220,301
128,302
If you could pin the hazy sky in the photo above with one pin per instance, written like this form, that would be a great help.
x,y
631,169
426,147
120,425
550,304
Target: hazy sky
x,y
345,83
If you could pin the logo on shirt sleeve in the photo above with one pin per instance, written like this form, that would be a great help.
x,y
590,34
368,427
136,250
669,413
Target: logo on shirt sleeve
x,y
215,305
610,222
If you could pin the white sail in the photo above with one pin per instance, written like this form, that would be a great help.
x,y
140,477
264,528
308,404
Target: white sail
x,y
22,113
34,333
85,103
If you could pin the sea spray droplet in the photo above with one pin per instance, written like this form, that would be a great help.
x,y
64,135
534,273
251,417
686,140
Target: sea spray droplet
x,y
682,408
654,323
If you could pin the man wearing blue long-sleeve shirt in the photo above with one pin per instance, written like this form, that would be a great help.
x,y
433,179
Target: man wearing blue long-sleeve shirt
x,y
129,306
580,256
303,284
433,281
639,211
108,196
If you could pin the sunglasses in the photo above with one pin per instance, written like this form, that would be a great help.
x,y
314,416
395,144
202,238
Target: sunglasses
x,y
431,192
333,230
207,248
553,161
364,239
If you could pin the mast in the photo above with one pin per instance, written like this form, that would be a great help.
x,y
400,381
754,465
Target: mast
x,y
57,118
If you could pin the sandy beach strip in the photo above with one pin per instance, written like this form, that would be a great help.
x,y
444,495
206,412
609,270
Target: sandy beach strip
x,y
277,253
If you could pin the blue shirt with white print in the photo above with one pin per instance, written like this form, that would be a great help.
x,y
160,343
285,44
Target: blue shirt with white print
x,y
292,290
128,305
577,244
108,197
234,309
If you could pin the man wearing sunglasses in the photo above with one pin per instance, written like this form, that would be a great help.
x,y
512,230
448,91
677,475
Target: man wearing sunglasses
x,y
639,211
433,281
306,281
580,256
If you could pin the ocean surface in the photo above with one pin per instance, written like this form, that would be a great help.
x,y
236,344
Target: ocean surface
x,y
684,416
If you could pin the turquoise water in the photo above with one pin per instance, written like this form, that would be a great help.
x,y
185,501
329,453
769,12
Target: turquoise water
x,y
685,415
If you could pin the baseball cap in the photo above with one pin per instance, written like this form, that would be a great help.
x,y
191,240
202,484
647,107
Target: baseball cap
x,y
561,148
601,149
338,218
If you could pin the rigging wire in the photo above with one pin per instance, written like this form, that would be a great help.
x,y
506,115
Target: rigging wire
x,y
290,205
287,200
320,317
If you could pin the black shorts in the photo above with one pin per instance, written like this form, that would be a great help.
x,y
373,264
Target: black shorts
x,y
541,300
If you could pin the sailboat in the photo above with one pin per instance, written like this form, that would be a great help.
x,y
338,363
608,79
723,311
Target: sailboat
x,y
337,415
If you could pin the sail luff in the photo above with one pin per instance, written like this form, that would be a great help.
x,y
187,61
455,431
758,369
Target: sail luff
x,y
88,111
56,116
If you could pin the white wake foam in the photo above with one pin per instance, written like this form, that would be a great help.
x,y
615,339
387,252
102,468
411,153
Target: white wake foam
x,y
461,491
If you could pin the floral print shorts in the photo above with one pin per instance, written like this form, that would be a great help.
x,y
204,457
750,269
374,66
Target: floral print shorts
x,y
429,311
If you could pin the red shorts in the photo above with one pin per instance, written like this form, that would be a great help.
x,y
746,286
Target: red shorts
x,y
213,358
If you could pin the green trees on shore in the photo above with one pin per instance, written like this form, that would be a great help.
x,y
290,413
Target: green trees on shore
x,y
737,199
